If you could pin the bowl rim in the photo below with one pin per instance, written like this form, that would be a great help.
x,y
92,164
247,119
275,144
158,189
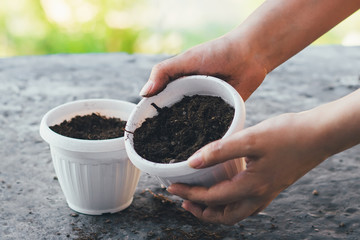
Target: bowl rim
x,y
83,145
181,168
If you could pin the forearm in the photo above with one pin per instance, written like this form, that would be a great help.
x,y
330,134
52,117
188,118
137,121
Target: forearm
x,y
335,125
279,29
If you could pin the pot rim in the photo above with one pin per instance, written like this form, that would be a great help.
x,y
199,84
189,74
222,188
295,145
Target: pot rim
x,y
209,86
66,111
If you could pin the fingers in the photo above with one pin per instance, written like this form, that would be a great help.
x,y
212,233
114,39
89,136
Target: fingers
x,y
159,78
157,81
227,203
225,192
228,214
244,184
166,71
195,208
240,144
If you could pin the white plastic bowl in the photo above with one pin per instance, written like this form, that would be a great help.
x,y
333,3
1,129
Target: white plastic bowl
x,y
95,176
174,92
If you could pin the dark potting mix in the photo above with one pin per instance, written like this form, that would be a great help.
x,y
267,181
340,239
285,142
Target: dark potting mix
x,y
177,132
91,127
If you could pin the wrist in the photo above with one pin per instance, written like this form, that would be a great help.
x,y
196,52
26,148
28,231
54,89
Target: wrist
x,y
249,53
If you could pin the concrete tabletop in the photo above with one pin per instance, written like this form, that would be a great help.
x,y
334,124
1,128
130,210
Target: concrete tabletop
x,y
32,205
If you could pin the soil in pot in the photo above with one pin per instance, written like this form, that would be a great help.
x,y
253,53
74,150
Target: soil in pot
x,y
91,127
177,132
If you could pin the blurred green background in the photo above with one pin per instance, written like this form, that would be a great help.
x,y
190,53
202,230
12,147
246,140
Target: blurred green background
x,y
33,27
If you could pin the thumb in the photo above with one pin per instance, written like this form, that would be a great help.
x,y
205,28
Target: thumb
x,y
234,146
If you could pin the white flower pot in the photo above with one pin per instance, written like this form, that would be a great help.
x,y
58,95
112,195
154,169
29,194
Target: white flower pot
x,y
95,176
181,172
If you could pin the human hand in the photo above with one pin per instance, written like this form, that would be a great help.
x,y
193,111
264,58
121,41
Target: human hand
x,y
272,34
278,151
219,58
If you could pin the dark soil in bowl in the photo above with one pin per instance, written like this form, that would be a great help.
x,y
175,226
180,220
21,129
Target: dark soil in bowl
x,y
179,131
91,127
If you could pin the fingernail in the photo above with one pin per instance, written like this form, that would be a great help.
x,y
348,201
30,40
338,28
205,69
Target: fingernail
x,y
146,89
169,189
195,161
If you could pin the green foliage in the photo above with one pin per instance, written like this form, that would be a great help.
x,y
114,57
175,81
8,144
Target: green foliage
x,y
31,27
28,29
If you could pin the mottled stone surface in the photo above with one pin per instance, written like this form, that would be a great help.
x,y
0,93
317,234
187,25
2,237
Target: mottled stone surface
x,y
32,205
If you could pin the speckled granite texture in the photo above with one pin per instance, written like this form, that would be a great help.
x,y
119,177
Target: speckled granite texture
x,y
32,205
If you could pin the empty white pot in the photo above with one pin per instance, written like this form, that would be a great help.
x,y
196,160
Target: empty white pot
x,y
96,176
181,172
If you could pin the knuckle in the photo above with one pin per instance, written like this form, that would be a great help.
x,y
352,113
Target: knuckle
x,y
195,194
159,67
213,150
189,195
208,202
251,141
